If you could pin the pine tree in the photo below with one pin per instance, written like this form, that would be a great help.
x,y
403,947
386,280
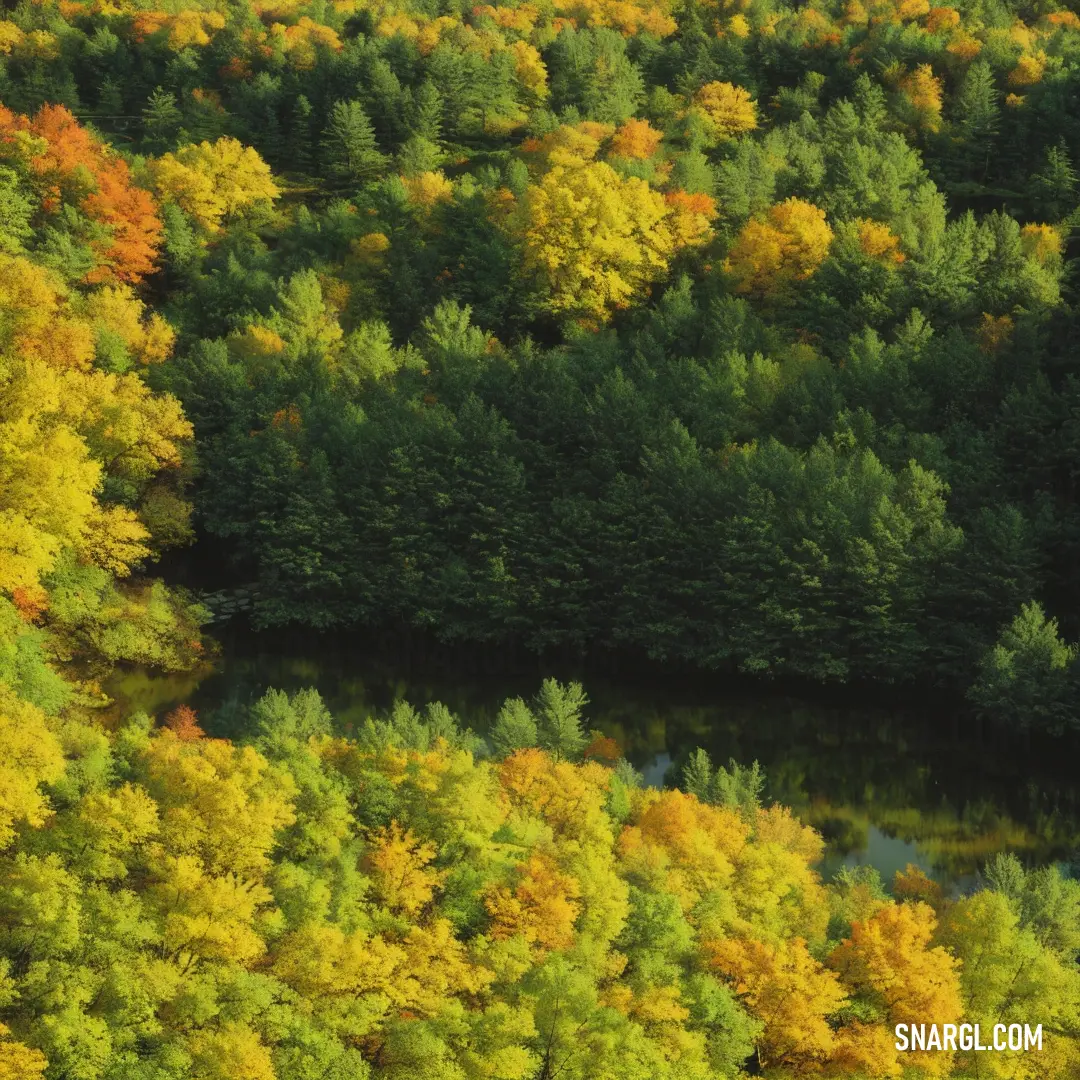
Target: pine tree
x,y
425,121
299,143
697,775
514,728
1053,187
870,101
977,116
558,710
349,151
161,120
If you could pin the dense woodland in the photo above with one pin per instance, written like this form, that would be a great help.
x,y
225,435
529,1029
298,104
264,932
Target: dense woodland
x,y
738,336
733,334
416,903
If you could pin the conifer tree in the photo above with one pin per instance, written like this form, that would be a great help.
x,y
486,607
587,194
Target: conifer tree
x,y
300,152
349,151
161,120
558,710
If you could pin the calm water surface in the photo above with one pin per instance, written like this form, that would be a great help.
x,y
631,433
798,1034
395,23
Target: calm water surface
x,y
886,787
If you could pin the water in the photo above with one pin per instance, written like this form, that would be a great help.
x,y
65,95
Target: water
x,y
885,786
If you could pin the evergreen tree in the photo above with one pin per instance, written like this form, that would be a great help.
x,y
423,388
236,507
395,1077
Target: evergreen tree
x,y
1053,187
161,121
349,151
558,711
697,775
977,117
425,119
1031,678
514,729
299,136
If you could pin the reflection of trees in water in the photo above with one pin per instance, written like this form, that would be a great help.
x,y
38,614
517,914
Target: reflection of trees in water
x,y
959,791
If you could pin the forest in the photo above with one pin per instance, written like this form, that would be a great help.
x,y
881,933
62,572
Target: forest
x,y
730,335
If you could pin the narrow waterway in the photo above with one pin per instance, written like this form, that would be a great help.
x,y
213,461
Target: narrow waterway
x,y
885,786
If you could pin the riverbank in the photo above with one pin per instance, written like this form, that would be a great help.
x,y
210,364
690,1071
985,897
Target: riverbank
x,y
886,783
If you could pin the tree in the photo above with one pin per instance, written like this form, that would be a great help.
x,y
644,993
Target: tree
x,y
636,139
231,1051
1006,976
15,212
727,110
542,907
922,92
399,862
890,959
17,1061
591,240
771,255
789,992
213,182
31,757
736,787
558,711
61,158
1054,185
515,728
1028,679
977,114
299,131
161,120
349,151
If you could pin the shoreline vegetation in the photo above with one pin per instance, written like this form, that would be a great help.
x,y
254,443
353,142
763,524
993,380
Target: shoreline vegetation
x,y
414,901
733,334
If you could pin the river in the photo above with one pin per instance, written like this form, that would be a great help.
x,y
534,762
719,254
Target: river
x,y
886,785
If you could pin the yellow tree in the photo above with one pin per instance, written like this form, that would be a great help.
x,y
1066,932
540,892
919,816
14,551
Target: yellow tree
x,y
19,1062
398,862
205,916
542,906
428,188
923,92
221,803
213,180
592,240
47,478
790,992
1041,242
66,427
636,139
726,109
230,1052
687,845
331,968
30,755
876,241
772,254
889,959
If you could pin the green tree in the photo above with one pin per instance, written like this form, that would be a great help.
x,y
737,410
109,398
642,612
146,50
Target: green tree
x,y
515,728
1028,679
1054,188
161,119
558,710
350,154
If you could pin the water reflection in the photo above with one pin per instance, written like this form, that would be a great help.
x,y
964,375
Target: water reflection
x,y
883,786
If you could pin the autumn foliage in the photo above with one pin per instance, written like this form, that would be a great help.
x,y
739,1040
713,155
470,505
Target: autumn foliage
x,y
375,888
67,163
727,110
90,458
773,253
